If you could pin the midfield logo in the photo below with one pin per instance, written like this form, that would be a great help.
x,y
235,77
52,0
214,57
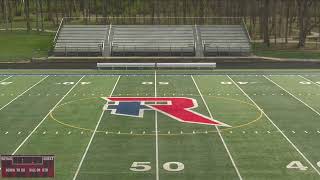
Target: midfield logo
x,y
178,108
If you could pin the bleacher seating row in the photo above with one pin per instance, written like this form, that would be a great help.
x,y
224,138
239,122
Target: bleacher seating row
x,y
224,40
152,40
81,40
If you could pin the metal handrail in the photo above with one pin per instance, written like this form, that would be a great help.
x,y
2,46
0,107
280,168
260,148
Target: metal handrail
x,y
246,30
58,31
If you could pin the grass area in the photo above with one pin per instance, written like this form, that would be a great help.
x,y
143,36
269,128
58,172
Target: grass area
x,y
22,45
289,51
155,144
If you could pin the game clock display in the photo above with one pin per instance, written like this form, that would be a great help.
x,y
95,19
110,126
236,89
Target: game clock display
x,y
27,165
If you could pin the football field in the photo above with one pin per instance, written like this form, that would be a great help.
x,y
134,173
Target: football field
x,y
111,126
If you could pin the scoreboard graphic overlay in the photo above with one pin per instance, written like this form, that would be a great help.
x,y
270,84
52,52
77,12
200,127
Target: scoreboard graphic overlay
x,y
27,165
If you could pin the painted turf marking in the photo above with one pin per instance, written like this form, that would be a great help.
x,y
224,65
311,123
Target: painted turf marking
x,y
224,144
309,80
156,128
23,93
279,130
5,79
30,134
93,134
293,96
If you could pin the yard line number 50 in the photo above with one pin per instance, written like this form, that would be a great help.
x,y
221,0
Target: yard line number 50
x,y
146,166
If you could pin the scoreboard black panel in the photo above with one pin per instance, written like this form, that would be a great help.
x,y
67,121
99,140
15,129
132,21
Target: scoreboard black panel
x,y
27,166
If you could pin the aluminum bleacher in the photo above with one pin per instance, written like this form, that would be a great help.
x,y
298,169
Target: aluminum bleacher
x,y
225,40
153,40
81,40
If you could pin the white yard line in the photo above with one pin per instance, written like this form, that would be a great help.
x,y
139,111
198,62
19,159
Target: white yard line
x,y
156,127
224,143
293,95
310,80
92,136
25,140
22,93
279,130
5,79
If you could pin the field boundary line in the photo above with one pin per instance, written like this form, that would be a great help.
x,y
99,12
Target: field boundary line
x,y
5,79
158,74
93,134
39,124
4,106
293,95
309,80
156,127
220,135
290,142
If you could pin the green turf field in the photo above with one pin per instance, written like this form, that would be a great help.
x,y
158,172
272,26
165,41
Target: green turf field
x,y
274,119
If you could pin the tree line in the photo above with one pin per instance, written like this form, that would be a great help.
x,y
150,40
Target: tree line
x,y
265,19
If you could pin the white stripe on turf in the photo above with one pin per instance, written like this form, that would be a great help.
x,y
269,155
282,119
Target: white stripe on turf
x,y
224,143
5,79
309,80
279,130
293,95
92,136
23,93
25,140
156,127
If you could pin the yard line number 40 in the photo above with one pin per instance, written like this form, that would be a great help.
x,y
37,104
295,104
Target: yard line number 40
x,y
297,165
146,166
